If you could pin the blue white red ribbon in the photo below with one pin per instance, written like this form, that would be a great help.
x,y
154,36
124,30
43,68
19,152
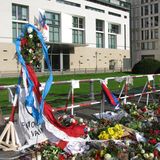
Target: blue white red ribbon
x,y
37,114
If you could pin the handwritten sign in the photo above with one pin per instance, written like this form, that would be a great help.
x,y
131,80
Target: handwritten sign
x,y
32,132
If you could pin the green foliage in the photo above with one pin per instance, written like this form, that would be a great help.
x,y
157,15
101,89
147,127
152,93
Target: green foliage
x,y
146,66
51,152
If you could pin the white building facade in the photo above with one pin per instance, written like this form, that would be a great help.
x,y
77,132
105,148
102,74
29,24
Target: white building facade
x,y
145,32
82,33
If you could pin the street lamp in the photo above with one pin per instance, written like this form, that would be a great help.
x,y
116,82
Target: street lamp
x,y
96,59
80,62
96,56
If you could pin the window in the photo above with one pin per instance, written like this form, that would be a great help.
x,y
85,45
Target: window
x,y
156,8
77,36
151,9
151,21
114,28
145,10
19,19
78,30
147,57
142,12
142,23
78,22
112,41
144,1
99,33
156,34
146,22
152,34
95,9
156,21
69,3
114,14
99,40
53,21
99,25
148,45
19,12
142,37
146,34
112,64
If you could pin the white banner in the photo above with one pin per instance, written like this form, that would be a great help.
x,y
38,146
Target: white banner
x,y
32,132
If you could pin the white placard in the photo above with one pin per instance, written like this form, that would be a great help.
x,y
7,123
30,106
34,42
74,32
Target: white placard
x,y
75,84
150,78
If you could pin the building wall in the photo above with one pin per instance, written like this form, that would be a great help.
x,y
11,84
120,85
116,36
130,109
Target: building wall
x,y
66,12
138,51
8,62
87,57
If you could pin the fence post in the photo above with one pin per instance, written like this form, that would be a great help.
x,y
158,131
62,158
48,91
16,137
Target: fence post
x,y
85,70
74,71
92,90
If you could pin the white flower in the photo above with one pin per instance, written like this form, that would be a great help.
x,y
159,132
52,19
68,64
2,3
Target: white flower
x,y
142,151
146,155
64,116
151,155
30,50
72,120
87,129
34,57
107,156
29,30
30,36
81,120
127,143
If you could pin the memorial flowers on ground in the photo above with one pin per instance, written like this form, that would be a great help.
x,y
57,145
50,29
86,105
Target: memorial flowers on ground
x,y
136,136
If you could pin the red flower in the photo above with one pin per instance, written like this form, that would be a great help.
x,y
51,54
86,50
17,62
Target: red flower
x,y
144,109
97,156
158,111
152,141
151,131
155,152
156,132
24,42
71,116
61,157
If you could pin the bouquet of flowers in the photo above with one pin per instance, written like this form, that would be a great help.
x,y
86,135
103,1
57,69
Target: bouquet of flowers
x,y
115,132
31,49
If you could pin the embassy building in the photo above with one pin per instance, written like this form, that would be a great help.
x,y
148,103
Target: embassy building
x,y
145,30
83,34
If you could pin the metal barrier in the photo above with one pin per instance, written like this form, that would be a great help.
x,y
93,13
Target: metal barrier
x,y
149,87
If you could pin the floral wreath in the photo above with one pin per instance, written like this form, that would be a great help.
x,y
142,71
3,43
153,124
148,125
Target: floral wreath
x,y
31,48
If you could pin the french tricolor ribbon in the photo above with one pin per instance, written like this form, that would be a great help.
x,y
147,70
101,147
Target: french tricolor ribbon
x,y
37,114
109,95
